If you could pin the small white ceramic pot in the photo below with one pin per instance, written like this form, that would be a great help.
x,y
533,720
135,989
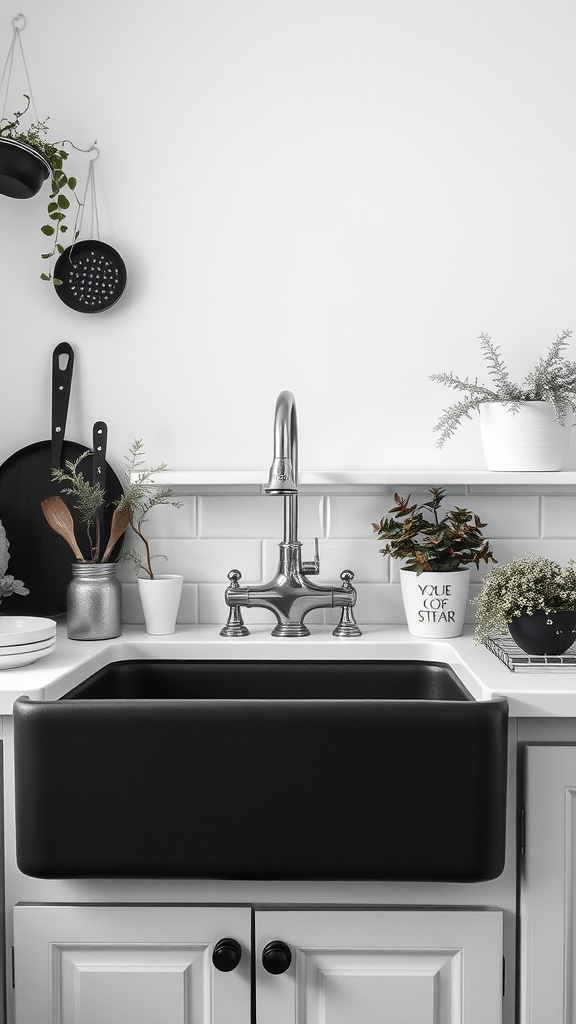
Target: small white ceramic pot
x,y
435,602
530,439
160,599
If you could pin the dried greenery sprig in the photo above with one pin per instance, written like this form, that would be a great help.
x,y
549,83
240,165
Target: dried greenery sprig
x,y
428,543
552,380
521,587
89,499
60,182
140,496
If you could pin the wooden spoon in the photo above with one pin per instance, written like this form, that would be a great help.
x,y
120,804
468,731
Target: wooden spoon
x,y
58,516
120,521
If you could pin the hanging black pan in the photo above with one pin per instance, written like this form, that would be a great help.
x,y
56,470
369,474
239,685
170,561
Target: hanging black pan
x,y
39,556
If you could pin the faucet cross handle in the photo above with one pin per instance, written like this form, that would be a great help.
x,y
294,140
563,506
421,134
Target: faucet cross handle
x,y
235,625
347,625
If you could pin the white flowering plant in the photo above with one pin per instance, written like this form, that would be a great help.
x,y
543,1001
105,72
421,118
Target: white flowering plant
x,y
8,585
521,587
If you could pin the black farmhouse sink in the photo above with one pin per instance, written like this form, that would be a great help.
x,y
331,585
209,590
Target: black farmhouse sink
x,y
263,770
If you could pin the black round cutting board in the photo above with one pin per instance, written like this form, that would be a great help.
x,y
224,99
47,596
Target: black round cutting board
x,y
39,556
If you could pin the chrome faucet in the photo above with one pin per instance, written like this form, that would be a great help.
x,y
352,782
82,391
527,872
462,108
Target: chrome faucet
x,y
290,595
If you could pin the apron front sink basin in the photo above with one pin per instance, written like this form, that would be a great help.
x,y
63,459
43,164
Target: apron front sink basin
x,y
263,770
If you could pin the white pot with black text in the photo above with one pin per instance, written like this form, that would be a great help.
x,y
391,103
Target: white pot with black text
x,y
435,602
160,599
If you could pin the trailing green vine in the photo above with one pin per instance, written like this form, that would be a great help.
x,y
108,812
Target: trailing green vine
x,y
60,182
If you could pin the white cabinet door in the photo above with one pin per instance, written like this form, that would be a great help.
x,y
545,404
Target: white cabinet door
x,y
129,965
548,909
375,966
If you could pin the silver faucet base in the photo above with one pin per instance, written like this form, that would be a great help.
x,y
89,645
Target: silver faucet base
x,y
290,629
347,629
236,629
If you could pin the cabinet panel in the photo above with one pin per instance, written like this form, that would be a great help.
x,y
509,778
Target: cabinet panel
x,y
548,935
129,965
406,966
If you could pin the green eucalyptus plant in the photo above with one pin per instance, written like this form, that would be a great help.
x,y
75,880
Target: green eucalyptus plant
x,y
140,496
552,380
429,543
60,182
523,586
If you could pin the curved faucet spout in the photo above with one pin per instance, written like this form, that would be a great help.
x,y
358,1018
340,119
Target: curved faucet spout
x,y
283,477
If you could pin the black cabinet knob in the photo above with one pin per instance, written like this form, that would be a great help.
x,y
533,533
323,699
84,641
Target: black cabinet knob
x,y
276,957
226,955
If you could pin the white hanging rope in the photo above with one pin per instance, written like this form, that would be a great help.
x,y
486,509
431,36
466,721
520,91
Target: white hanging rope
x,y
90,189
9,63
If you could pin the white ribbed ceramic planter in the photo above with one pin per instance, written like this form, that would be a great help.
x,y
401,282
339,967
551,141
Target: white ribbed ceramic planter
x,y
528,440
435,602
160,599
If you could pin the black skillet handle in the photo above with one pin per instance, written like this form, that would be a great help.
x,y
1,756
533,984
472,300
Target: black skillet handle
x,y
61,385
99,444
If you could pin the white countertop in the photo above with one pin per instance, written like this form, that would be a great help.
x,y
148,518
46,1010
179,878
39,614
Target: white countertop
x,y
547,693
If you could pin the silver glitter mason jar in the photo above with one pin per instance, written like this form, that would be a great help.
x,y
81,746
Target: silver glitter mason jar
x,y
94,601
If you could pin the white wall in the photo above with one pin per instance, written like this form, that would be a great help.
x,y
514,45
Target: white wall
x,y
332,196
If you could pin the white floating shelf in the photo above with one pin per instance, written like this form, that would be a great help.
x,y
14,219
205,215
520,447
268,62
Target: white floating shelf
x,y
191,479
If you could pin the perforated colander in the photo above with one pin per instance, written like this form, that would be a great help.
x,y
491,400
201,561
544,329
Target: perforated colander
x,y
91,273
93,276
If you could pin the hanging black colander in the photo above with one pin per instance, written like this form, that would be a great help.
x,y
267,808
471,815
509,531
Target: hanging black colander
x,y
90,275
93,276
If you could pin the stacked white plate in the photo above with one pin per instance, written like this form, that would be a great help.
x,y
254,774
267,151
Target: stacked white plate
x,y
24,639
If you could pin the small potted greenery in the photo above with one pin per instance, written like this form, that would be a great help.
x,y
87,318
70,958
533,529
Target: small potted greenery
x,y
438,552
81,527
523,426
27,159
534,599
159,594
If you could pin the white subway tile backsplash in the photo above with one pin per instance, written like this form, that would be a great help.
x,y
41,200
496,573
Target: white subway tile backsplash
x,y
504,517
216,532
362,557
376,604
559,550
203,561
166,521
259,516
352,516
210,561
559,516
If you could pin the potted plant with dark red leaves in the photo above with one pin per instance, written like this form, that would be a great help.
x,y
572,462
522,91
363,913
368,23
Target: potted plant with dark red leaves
x,y
534,599
437,554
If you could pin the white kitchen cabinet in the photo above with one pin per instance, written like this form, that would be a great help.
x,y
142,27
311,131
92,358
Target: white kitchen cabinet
x,y
548,887
371,966
129,965
98,964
